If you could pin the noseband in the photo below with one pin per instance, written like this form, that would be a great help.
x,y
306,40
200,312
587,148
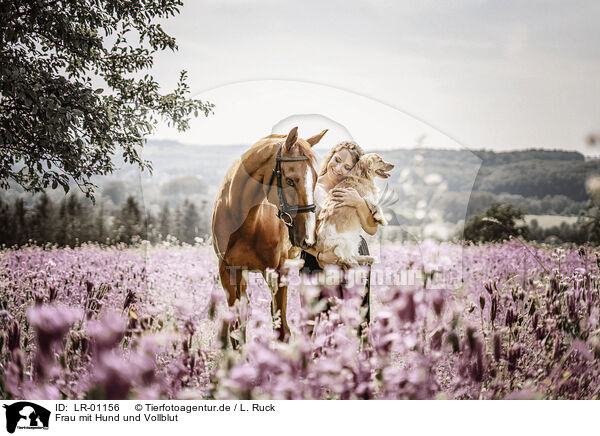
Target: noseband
x,y
285,211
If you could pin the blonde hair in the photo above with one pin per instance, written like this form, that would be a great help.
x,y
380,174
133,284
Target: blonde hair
x,y
353,148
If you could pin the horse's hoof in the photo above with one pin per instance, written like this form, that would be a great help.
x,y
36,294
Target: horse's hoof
x,y
284,336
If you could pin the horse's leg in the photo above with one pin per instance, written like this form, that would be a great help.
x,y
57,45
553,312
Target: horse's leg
x,y
363,251
234,282
229,280
280,303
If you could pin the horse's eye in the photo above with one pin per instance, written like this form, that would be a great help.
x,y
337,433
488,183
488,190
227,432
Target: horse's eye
x,y
290,182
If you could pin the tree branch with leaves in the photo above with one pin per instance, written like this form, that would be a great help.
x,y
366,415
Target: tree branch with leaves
x,y
56,126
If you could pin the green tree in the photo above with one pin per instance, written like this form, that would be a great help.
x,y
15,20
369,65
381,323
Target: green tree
x,y
149,226
205,224
591,224
115,190
497,223
164,221
177,229
82,219
56,124
100,225
190,223
20,223
128,222
75,222
43,220
6,231
63,235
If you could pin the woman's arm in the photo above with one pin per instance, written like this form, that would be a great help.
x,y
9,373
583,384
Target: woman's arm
x,y
349,197
367,221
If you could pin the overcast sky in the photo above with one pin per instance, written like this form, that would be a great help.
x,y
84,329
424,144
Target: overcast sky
x,y
487,74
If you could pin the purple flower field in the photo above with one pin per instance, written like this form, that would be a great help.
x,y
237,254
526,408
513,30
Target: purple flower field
x,y
447,322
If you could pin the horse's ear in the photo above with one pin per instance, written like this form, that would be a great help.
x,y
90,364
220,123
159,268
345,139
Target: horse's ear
x,y
315,139
291,139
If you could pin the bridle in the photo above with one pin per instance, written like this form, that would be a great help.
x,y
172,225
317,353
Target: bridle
x,y
285,211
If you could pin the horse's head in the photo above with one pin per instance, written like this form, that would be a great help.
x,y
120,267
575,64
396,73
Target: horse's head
x,y
298,178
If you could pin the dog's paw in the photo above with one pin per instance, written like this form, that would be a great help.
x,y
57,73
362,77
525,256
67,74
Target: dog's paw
x,y
346,263
365,260
379,217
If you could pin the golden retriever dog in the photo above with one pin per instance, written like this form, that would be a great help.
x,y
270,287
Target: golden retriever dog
x,y
338,229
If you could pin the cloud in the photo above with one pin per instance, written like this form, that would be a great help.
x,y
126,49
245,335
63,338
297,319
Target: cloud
x,y
495,74
252,110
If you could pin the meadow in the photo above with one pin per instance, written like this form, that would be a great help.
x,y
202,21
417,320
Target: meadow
x,y
547,221
449,321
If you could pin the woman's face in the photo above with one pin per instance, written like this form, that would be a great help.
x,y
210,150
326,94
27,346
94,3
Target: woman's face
x,y
339,165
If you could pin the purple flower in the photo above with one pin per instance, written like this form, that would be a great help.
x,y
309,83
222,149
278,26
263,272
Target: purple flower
x,y
436,339
130,298
14,336
407,309
51,323
497,345
107,332
438,303
513,357
115,375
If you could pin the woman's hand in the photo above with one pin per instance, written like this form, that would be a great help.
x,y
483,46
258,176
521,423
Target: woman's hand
x,y
346,197
326,258
350,197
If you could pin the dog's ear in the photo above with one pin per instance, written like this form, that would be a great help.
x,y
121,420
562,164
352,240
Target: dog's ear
x,y
377,160
361,169
315,139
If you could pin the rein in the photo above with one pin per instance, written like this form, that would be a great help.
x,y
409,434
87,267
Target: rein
x,y
285,211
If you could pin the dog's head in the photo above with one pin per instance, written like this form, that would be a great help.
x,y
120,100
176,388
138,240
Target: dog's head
x,y
371,165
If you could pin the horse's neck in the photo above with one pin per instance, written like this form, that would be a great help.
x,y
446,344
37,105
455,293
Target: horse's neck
x,y
252,175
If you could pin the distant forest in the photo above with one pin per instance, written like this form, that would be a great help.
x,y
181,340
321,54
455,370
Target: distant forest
x,y
450,185
537,181
75,220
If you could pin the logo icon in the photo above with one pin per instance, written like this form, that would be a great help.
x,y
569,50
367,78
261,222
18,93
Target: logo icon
x,y
26,415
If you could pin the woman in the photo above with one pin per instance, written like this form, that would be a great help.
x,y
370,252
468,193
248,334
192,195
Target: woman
x,y
340,160
337,164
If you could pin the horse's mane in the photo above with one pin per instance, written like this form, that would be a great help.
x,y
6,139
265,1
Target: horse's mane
x,y
303,146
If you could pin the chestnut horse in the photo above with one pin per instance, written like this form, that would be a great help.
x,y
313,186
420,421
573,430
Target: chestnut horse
x,y
264,214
